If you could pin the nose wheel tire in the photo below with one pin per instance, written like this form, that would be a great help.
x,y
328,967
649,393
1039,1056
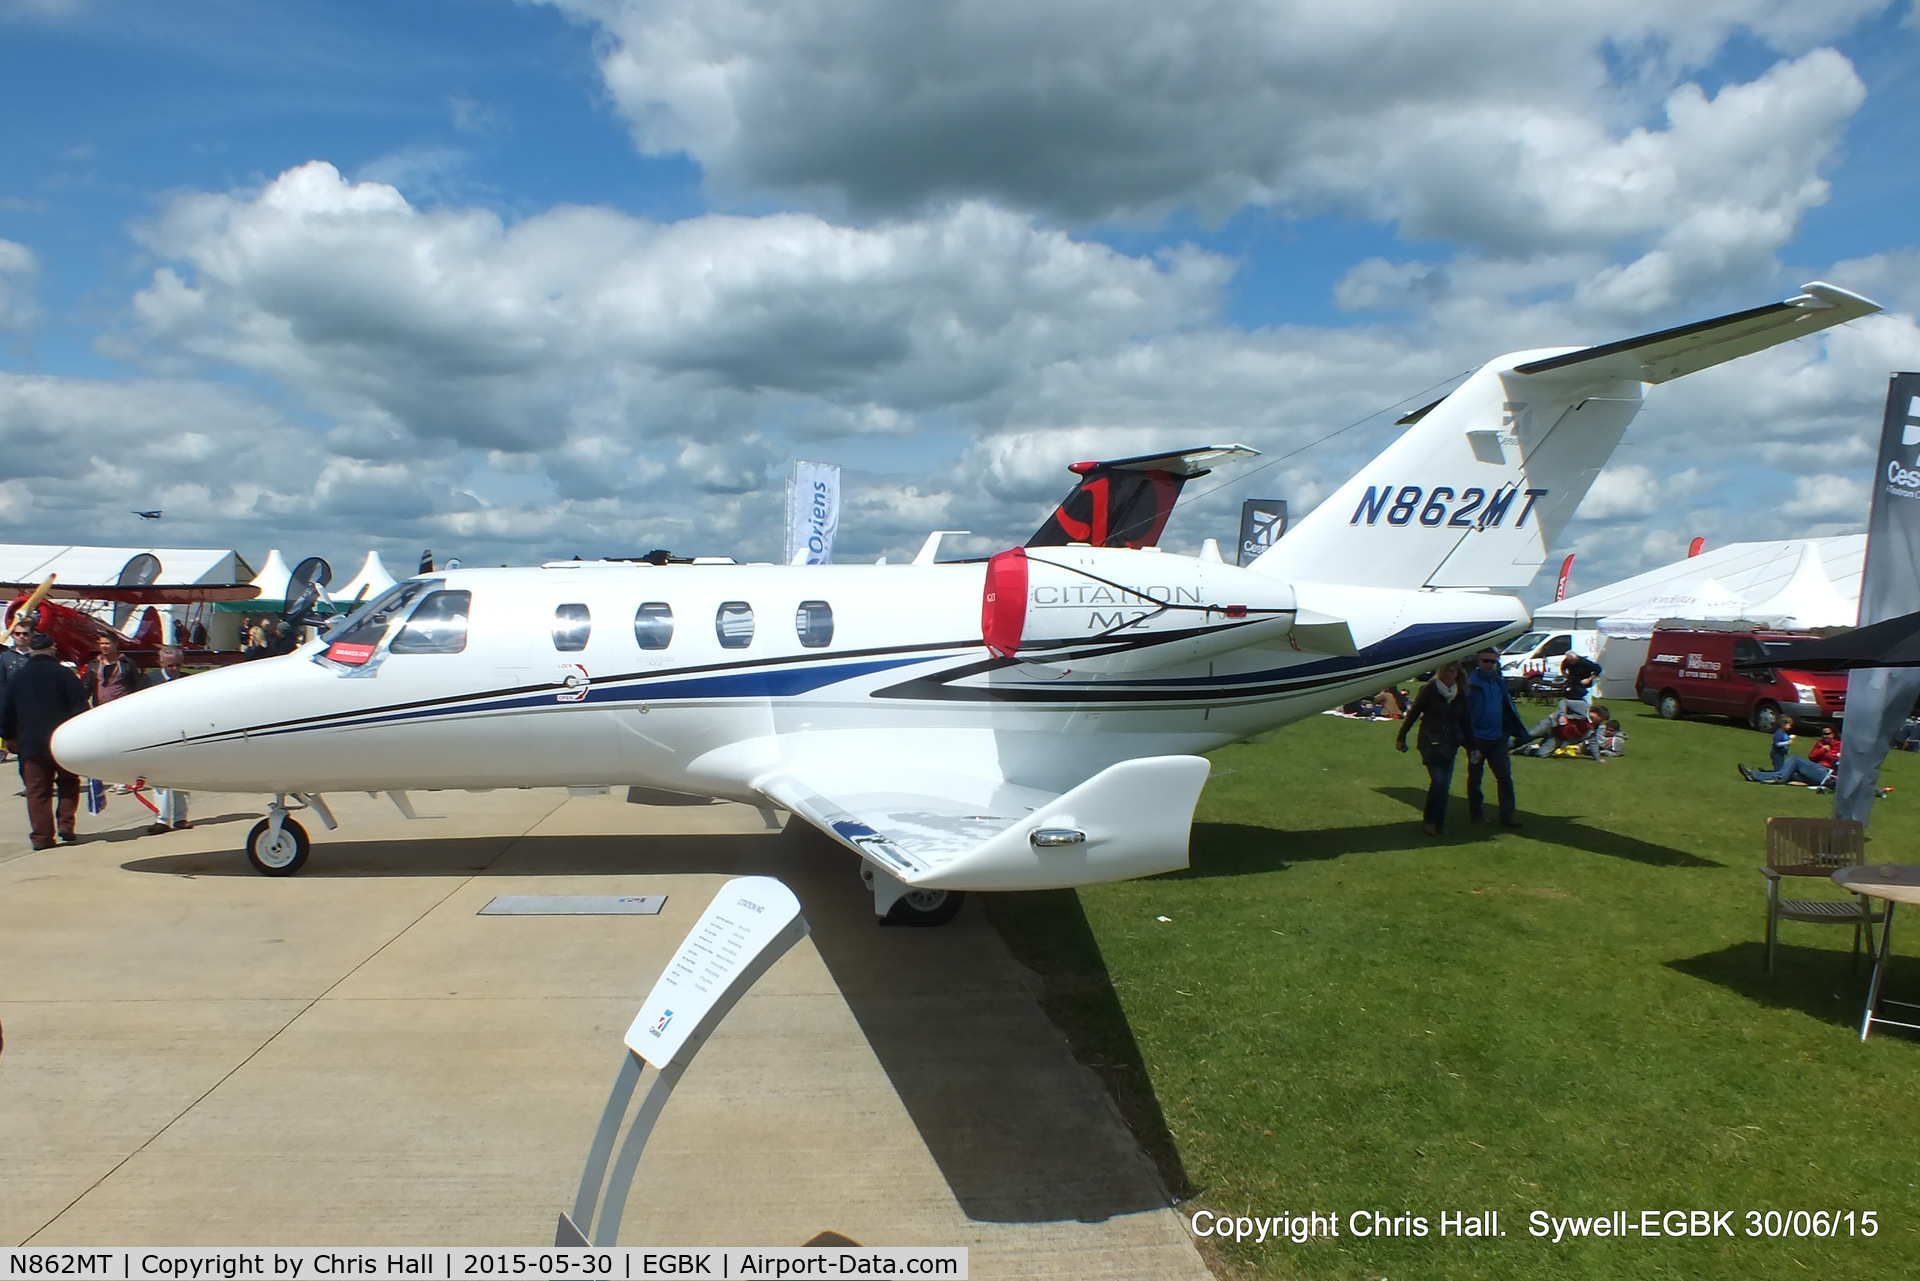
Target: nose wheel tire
x,y
925,907
279,853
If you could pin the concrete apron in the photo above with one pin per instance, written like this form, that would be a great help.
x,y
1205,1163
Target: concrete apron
x,y
197,1054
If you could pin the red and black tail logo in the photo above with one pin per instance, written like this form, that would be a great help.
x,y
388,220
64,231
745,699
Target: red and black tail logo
x,y
1112,507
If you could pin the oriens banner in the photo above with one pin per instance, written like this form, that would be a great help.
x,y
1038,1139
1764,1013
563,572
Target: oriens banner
x,y
813,513
1879,699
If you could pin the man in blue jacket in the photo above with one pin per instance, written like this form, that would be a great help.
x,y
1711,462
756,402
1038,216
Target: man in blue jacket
x,y
1492,719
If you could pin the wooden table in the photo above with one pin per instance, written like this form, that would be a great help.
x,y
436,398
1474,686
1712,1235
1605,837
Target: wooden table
x,y
1896,883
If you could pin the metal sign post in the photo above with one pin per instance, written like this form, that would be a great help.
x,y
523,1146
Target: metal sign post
x,y
751,923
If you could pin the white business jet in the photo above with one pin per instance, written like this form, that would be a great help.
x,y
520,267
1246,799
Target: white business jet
x,y
1034,720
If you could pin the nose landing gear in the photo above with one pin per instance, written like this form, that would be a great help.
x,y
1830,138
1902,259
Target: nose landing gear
x,y
277,846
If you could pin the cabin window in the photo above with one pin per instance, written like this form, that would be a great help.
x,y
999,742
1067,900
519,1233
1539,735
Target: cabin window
x,y
734,624
1556,647
814,621
439,626
571,626
653,625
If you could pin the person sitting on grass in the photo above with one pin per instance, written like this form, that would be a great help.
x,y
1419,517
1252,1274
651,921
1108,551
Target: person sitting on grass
x,y
1596,731
1788,768
1572,722
1441,709
1827,751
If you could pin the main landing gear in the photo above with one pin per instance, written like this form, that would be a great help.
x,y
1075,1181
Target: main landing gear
x,y
897,903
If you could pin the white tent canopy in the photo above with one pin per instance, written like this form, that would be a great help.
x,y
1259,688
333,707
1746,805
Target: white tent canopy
x,y
1792,583
373,576
100,566
1705,600
273,577
1809,598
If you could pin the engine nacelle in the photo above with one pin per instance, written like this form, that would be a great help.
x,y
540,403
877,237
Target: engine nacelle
x,y
1114,609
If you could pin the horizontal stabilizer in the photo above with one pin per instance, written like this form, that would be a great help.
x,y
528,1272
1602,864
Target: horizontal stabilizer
x,y
1185,463
1670,353
938,830
1323,634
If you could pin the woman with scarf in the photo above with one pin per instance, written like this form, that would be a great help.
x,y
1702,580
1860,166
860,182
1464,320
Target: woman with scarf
x,y
1441,709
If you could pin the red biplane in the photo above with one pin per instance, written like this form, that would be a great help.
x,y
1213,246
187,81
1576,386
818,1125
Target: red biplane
x,y
76,632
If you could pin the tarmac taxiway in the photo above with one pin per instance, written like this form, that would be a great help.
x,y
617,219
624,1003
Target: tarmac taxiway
x,y
197,1054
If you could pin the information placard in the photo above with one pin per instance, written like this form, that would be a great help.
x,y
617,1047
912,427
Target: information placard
x,y
746,916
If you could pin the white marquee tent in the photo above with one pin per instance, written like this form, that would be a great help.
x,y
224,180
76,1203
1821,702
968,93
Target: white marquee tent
x,y
97,566
273,577
372,579
1790,583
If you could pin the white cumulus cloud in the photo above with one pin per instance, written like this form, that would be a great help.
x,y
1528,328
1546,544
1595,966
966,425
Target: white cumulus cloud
x,y
1474,120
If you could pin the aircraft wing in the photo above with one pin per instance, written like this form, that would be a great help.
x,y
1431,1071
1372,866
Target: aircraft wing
x,y
186,595
1670,353
935,829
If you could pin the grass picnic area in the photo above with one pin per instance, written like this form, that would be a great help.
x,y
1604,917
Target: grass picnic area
x,y
1332,1012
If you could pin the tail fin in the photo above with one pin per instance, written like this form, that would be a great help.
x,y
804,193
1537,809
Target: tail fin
x,y
1126,502
1482,483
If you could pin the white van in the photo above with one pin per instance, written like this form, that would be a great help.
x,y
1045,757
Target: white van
x,y
1538,653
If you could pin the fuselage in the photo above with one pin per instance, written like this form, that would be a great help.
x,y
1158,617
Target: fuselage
x,y
701,678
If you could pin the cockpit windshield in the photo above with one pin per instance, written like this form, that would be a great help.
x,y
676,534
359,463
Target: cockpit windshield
x,y
354,641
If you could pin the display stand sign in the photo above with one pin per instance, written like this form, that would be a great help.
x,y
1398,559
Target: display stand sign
x,y
750,924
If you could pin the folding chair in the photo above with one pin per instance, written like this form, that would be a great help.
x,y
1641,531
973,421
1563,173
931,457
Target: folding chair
x,y
1815,847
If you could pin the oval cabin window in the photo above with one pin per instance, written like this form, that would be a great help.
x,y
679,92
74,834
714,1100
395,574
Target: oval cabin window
x,y
814,621
572,624
734,624
653,625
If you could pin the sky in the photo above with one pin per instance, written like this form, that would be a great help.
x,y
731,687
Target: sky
x,y
523,281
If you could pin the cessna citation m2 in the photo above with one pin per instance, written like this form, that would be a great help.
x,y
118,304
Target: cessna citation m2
x,y
1034,720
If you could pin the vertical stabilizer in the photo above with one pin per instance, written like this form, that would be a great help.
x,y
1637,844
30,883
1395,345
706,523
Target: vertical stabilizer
x,y
1482,483
1126,502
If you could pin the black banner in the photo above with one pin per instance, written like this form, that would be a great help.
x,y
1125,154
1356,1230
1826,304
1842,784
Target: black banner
x,y
1880,698
1262,521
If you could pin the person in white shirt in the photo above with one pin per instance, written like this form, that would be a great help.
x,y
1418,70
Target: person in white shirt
x,y
172,802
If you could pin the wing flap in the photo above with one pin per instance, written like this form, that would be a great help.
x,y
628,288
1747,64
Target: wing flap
x,y
941,830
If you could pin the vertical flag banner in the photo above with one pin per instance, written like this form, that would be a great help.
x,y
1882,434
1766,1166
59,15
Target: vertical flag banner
x,y
1879,698
1262,521
813,513
1566,575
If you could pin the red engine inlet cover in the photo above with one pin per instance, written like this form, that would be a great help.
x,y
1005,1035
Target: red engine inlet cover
x,y
1003,603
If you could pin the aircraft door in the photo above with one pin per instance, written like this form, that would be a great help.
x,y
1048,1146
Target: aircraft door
x,y
570,733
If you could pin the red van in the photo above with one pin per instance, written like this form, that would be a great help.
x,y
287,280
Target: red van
x,y
1692,672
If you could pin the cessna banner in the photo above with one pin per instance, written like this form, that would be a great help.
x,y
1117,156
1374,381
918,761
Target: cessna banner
x,y
1029,721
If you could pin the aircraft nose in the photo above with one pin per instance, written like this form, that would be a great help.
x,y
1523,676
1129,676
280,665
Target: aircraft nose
x,y
102,743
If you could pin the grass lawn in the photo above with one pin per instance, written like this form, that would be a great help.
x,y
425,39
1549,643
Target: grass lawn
x,y
1343,1014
